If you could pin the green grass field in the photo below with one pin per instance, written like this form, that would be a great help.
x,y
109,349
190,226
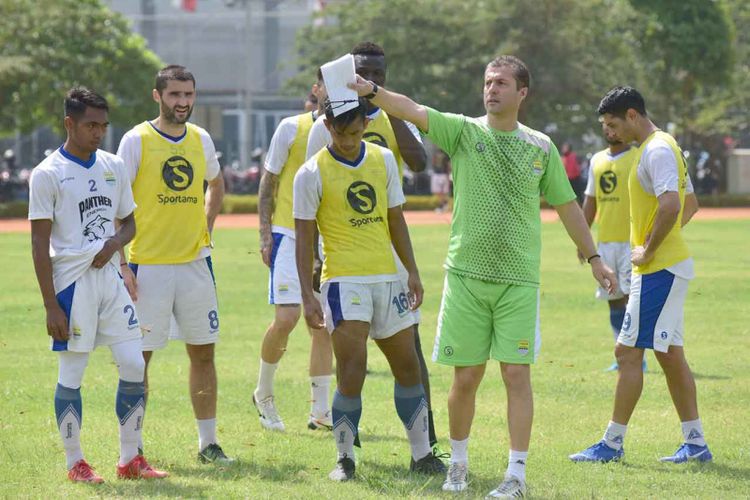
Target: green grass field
x,y
573,396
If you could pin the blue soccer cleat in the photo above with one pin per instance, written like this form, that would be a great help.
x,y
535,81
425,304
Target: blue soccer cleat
x,y
600,452
689,452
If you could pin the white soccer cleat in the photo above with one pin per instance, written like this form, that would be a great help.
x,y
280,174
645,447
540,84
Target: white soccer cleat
x,y
322,423
511,487
456,479
269,417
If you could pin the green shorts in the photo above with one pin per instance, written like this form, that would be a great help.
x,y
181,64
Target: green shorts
x,y
481,320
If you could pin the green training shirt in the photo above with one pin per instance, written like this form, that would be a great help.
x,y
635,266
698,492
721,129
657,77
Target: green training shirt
x,y
497,181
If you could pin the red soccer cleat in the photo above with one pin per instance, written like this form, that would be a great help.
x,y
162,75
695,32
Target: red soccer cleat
x,y
84,473
138,468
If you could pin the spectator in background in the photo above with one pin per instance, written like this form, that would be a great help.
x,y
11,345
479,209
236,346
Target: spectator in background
x,y
311,103
440,183
573,170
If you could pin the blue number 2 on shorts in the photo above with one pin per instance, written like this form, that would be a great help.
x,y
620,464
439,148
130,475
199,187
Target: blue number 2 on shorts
x,y
128,309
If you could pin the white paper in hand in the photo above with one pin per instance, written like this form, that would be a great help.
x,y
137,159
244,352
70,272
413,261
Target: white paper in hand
x,y
336,74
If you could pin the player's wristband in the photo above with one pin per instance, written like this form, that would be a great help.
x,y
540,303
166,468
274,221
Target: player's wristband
x,y
593,257
374,91
123,264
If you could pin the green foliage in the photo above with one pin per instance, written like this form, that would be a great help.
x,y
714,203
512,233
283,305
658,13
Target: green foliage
x,y
685,48
678,52
49,46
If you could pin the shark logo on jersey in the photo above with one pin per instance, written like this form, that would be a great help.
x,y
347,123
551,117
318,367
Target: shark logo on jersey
x,y
95,229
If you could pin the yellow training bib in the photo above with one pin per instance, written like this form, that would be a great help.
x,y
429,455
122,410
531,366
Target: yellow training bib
x,y
171,226
379,131
282,214
643,208
612,198
353,216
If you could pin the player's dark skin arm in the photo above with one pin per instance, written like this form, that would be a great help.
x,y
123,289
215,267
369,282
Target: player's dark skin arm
x,y
57,321
690,208
269,185
402,245
214,197
411,149
304,231
125,233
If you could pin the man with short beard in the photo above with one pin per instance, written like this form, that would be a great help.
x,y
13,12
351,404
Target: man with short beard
x,y
168,160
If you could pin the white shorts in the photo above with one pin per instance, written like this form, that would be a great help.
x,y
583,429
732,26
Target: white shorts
x,y
186,292
654,315
384,305
616,255
283,280
440,184
99,311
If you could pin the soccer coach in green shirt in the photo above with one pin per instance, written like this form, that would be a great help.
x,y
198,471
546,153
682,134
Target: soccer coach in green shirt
x,y
490,305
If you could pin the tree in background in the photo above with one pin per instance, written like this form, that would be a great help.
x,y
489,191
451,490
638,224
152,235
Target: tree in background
x,y
48,46
679,52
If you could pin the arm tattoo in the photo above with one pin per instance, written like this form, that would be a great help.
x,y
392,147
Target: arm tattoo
x,y
267,198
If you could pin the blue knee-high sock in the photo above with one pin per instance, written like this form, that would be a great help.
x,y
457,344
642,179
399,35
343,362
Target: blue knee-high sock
x,y
130,409
69,413
616,317
346,412
412,409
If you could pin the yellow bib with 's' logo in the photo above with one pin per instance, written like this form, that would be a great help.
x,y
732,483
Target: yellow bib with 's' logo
x,y
170,220
379,131
282,214
643,208
353,216
612,199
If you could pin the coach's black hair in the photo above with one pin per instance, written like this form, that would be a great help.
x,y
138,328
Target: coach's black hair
x,y
172,72
520,71
345,119
79,98
620,99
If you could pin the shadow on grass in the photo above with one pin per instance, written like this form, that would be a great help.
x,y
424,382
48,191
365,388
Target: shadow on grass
x,y
281,470
396,480
364,436
722,470
168,487
699,376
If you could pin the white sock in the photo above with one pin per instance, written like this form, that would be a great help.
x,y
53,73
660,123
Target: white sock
x,y
206,432
517,464
320,386
615,435
265,380
692,431
459,451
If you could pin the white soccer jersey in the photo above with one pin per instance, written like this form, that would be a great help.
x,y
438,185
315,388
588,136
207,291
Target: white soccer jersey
x,y
82,199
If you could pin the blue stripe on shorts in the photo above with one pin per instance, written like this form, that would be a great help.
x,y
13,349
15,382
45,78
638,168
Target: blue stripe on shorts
x,y
277,238
334,302
65,299
655,289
